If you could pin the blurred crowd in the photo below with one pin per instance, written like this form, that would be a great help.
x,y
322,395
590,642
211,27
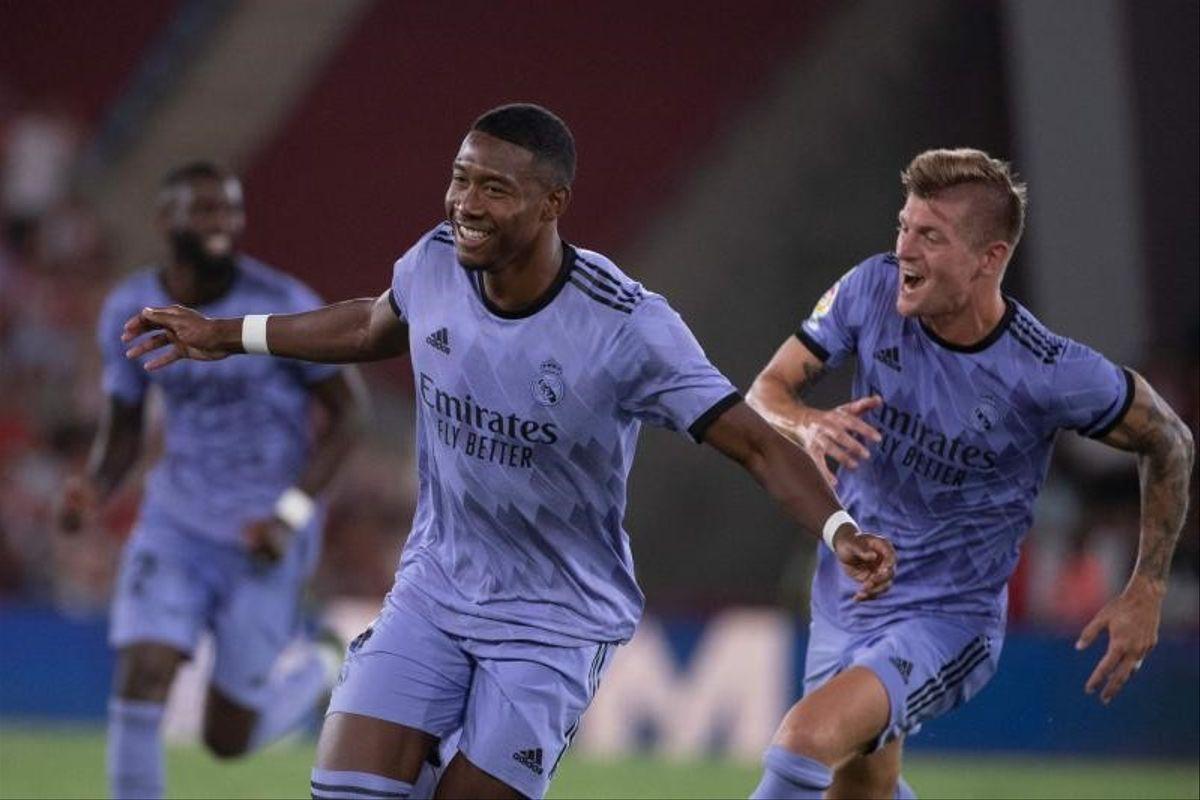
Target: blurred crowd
x,y
56,265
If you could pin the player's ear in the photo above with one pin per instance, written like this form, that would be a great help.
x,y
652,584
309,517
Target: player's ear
x,y
555,203
995,257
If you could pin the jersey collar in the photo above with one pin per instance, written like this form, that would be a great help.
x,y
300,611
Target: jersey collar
x,y
160,280
1010,308
560,280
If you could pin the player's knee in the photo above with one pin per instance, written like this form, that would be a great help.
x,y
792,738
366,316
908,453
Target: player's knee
x,y
228,726
224,742
815,738
146,676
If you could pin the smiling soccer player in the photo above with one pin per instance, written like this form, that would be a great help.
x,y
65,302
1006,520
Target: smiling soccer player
x,y
958,395
229,527
535,363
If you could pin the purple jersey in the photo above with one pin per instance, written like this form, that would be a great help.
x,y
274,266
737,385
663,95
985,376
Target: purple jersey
x,y
967,435
526,430
237,431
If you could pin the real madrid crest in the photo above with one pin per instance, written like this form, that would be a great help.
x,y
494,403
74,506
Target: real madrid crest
x,y
985,415
548,386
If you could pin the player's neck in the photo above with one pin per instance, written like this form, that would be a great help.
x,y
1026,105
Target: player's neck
x,y
970,325
520,283
191,286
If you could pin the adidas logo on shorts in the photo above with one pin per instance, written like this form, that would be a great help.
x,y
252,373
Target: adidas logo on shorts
x,y
439,340
530,758
903,666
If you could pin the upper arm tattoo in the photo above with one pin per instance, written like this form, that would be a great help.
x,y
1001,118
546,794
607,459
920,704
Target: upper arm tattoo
x,y
1165,451
813,373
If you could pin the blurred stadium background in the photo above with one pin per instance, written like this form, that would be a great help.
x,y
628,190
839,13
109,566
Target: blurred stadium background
x,y
737,157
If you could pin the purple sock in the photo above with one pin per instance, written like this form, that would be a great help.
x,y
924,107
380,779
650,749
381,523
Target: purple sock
x,y
135,749
790,776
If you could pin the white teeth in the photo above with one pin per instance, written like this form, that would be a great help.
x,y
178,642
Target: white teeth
x,y
219,243
471,234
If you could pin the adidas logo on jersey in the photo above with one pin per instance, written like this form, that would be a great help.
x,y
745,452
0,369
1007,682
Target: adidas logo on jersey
x,y
439,340
530,758
903,666
889,357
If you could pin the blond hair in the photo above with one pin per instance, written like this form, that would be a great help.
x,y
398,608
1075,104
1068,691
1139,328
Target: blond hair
x,y
1000,204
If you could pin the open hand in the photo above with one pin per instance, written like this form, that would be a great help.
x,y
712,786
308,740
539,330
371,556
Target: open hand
x,y
868,559
187,333
1131,620
839,433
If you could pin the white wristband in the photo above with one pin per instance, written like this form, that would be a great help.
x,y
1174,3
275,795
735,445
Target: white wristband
x,y
836,520
295,508
254,334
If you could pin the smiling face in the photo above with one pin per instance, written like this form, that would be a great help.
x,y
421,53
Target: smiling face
x,y
500,201
942,271
203,219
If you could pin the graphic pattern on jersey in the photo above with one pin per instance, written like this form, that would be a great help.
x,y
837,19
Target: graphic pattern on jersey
x,y
967,436
526,430
236,431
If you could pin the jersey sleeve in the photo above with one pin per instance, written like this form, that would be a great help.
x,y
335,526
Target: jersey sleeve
x,y
664,377
406,266
122,378
1090,394
832,330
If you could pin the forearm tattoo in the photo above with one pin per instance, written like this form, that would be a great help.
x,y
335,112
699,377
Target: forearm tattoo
x,y
1165,452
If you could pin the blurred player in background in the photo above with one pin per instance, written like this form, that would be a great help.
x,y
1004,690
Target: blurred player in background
x,y
958,395
535,363
229,529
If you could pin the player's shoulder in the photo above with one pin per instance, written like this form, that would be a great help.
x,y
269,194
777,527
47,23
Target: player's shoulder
x,y
440,234
129,295
1033,341
881,264
869,283
438,240
596,280
258,274
1064,374
879,272
864,295
435,245
141,287
1046,358
258,278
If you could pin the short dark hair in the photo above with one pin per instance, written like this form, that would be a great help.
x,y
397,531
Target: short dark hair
x,y
1002,212
536,129
194,170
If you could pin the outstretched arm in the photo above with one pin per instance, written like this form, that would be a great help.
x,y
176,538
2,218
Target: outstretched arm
x,y
791,478
837,433
355,330
115,450
1165,452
